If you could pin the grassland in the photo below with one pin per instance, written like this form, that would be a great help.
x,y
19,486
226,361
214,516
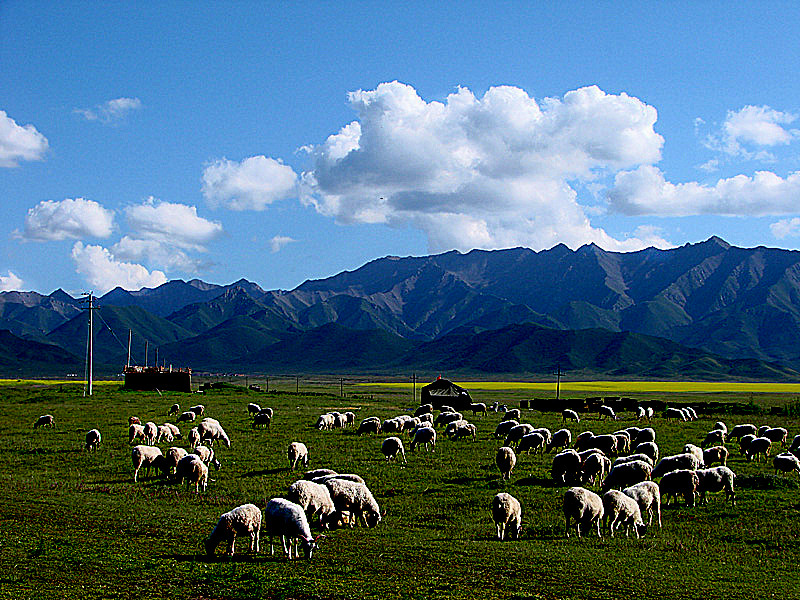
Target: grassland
x,y
74,525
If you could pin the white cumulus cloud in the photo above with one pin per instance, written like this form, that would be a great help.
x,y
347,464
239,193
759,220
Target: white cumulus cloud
x,y
112,111
103,271
19,142
489,172
252,184
746,132
278,242
68,219
171,223
786,228
645,191
10,282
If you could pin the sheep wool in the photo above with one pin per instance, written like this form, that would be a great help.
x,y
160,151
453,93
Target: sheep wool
x,y
244,520
507,515
288,520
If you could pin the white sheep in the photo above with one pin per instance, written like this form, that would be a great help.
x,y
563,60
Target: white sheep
x,y
355,499
566,468
192,469
716,479
641,413
176,433
325,422
606,411
505,459
343,476
595,468
676,462
150,433
504,427
745,441
186,417
198,409
318,473
453,425
93,439
468,430
171,458
207,455
478,407
681,482
424,436
648,448
561,439
297,452
210,430
621,509
146,457
514,413
369,425
786,463
164,434
517,432
392,447
507,515
714,437
715,454
45,421
648,496
757,447
743,429
135,431
777,435
314,498
174,409
244,520
674,413
697,451
569,414
531,442
393,425
720,425
253,409
631,457
193,437
650,411
262,419
627,474
422,409
288,520
584,507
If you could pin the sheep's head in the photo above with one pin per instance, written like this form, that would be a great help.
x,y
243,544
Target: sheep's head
x,y
309,545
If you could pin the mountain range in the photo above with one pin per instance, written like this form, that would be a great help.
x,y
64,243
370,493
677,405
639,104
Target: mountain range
x,y
707,310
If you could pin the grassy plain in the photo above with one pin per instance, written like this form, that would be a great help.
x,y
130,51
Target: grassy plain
x,y
74,525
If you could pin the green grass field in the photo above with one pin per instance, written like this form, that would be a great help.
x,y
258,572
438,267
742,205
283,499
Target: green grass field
x,y
74,525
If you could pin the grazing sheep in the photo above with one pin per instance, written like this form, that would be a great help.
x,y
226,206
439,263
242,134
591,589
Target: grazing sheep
x,y
714,438
318,473
697,451
147,457
561,439
786,463
426,436
325,422
447,418
687,414
210,430
584,507
569,414
676,462
795,443
426,418
193,437
505,459
262,419
296,453
691,412
393,425
186,417
349,418
745,441
355,499
478,407
744,429
606,411
242,520
314,498
198,409
504,427
45,421
253,409
650,412
288,520
465,431
682,482
721,426
207,455
714,480
566,468
514,413
165,434
343,476
777,435
150,433
627,474
582,441
93,439
674,413
174,409
641,413
176,433
134,421
369,425
621,509
648,496
135,431
716,454
446,409
648,448
757,447
193,470
595,468
607,443
762,430
507,515
453,425
531,442
516,433
172,457
423,409
392,447
631,457
338,420
648,434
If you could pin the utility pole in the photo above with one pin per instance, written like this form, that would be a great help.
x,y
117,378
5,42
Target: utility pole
x,y
341,387
414,387
559,374
297,384
130,334
87,391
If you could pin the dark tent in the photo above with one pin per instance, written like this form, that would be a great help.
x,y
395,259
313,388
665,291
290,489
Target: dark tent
x,y
443,392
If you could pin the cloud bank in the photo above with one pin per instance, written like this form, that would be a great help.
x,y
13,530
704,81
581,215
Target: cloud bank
x,y
18,142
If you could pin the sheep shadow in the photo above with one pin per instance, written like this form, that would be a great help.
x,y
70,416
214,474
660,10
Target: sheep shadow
x,y
248,559
263,472
469,480
545,482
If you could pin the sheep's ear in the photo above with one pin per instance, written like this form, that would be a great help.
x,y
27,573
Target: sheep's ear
x,y
383,514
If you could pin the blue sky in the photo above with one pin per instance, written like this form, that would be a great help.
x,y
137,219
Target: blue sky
x,y
279,142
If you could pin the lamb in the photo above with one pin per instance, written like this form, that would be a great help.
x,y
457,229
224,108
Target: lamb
x,y
561,439
758,446
297,453
648,448
621,509
242,520
174,409
531,442
193,437
606,411
392,447
369,425
716,454
504,427
739,430
198,409
206,454
676,462
786,463
584,507
93,439
210,430
716,479
147,457
682,482
253,409
314,498
45,421
648,496
627,474
355,499
150,433
186,417
505,459
288,520
426,436
261,419
697,451
569,414
566,468
192,470
507,515
135,431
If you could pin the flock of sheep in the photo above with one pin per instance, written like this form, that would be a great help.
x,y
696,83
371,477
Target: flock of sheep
x,y
621,466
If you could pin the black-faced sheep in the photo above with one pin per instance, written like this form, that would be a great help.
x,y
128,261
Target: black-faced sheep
x,y
244,520
507,516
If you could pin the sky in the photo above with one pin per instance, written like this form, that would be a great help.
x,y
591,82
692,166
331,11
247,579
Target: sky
x,y
286,141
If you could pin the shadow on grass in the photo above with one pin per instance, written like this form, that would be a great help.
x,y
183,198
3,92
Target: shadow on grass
x,y
467,480
545,482
263,472
249,559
